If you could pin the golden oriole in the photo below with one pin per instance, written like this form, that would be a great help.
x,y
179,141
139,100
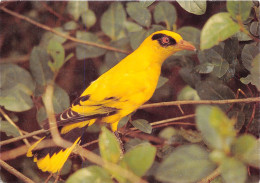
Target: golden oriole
x,y
115,94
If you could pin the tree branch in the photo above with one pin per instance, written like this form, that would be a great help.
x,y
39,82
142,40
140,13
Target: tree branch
x,y
15,172
22,137
60,33
185,102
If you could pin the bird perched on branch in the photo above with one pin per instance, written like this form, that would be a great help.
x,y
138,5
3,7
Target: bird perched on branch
x,y
115,94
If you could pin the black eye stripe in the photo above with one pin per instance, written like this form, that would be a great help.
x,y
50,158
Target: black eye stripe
x,y
159,37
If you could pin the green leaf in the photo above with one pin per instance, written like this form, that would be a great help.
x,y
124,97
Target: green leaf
x,y
57,52
220,68
213,89
66,167
195,7
218,179
188,163
241,36
161,81
245,149
60,102
133,142
86,51
142,125
139,159
41,115
239,117
231,49
190,34
112,20
212,62
8,129
189,76
210,121
89,18
146,3
71,25
167,133
109,146
188,93
239,8
123,121
17,87
112,58
39,68
136,38
218,28
140,14
232,170
132,27
254,29
60,99
254,76
165,12
91,174
76,8
204,68
51,36
248,53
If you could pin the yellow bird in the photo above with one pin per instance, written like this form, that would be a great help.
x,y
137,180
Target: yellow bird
x,y
115,94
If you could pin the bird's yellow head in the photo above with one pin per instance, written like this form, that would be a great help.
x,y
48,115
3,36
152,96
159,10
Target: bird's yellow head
x,y
165,43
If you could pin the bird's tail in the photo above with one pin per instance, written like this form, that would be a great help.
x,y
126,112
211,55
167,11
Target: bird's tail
x,y
52,157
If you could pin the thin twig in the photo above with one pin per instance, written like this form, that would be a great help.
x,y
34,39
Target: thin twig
x,y
251,119
174,123
12,123
15,172
173,119
185,102
22,137
212,176
62,34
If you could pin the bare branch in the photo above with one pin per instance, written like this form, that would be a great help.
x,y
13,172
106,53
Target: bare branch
x,y
185,102
15,172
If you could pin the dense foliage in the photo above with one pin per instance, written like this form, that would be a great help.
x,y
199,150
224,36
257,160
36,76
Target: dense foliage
x,y
219,142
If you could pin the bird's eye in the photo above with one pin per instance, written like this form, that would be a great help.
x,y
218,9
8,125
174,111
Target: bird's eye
x,y
165,40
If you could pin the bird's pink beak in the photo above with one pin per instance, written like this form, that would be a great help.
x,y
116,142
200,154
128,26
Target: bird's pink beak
x,y
185,45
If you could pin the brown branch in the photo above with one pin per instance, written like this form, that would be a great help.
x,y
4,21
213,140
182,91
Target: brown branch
x,y
60,33
174,123
22,137
210,177
15,172
251,119
173,119
22,150
185,102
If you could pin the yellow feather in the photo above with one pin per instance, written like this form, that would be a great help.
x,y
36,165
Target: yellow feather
x,y
29,152
56,161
